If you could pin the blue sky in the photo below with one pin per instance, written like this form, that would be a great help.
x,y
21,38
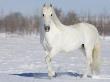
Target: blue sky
x,y
30,7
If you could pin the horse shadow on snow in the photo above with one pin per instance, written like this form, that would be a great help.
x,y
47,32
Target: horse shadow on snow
x,y
45,75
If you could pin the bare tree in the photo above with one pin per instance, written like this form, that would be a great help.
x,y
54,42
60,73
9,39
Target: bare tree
x,y
71,18
68,19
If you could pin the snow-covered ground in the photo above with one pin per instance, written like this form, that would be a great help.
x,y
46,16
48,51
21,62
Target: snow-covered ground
x,y
22,60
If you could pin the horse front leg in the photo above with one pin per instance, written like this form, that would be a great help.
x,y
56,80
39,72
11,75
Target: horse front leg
x,y
48,59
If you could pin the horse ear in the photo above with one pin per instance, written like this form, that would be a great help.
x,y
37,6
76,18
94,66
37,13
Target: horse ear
x,y
50,5
44,5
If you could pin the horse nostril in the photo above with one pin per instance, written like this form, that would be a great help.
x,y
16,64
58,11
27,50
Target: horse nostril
x,y
47,28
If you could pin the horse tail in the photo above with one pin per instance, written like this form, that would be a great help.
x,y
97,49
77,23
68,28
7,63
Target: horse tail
x,y
96,58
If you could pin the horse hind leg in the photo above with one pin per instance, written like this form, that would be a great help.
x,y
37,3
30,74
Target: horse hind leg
x,y
96,59
88,71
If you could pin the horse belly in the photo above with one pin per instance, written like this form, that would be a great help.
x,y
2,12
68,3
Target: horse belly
x,y
72,47
71,44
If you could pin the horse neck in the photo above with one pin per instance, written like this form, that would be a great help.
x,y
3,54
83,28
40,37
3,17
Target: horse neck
x,y
53,27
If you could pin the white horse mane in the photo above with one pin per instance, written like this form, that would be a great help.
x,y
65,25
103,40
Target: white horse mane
x,y
56,20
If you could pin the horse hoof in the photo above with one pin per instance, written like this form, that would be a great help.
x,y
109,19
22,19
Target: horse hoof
x,y
86,76
50,77
55,75
89,76
51,74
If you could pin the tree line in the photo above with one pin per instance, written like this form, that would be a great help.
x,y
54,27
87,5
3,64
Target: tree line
x,y
18,23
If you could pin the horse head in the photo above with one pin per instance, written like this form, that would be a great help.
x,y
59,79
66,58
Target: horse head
x,y
47,14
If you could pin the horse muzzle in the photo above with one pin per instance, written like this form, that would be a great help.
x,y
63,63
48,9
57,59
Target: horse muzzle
x,y
47,28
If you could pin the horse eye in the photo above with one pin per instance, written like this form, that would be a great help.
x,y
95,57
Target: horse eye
x,y
51,14
43,15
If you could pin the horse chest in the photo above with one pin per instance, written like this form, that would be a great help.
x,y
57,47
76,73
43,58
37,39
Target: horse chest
x,y
51,39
